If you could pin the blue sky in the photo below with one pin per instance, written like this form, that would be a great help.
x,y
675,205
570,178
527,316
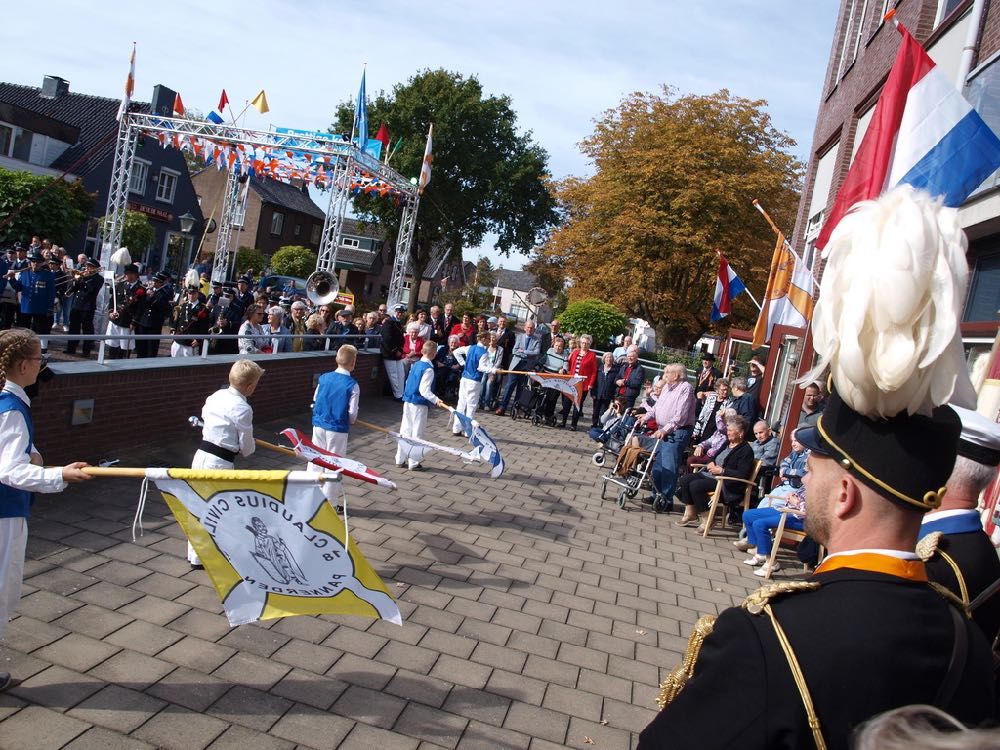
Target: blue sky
x,y
562,62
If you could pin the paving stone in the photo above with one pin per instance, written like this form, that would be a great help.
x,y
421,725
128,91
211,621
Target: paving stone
x,y
163,586
420,688
252,708
57,688
633,718
20,665
118,572
369,706
154,609
311,629
312,728
307,656
190,689
98,738
132,669
461,672
364,737
198,654
310,689
478,736
456,645
144,637
605,684
255,640
93,620
251,670
363,672
551,671
498,656
484,631
479,705
538,722
357,642
573,702
46,606
176,728
403,655
25,634
583,657
603,736
205,625
35,727
61,581
431,724
516,686
241,738
117,708
77,652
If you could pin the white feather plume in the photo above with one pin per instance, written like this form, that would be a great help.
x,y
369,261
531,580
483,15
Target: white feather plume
x,y
887,320
191,278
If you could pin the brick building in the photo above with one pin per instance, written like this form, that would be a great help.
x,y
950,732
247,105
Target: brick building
x,y
862,52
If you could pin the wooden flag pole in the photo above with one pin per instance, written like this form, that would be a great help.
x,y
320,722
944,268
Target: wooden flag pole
x,y
525,372
114,471
275,448
371,426
767,217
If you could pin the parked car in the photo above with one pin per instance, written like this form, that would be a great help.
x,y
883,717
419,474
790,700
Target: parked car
x,y
288,285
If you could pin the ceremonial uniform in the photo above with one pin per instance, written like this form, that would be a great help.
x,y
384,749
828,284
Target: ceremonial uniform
x,y
150,315
122,305
227,433
868,633
470,385
335,407
38,299
81,317
191,318
961,557
232,319
418,394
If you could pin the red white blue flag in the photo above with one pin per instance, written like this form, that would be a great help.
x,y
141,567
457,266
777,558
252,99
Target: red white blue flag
x,y
923,133
728,286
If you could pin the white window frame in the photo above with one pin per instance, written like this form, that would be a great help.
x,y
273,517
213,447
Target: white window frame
x,y
847,38
140,169
175,177
350,242
940,15
860,30
404,295
277,223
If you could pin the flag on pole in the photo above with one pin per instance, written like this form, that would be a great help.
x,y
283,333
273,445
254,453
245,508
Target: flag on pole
x,y
215,117
923,133
789,297
361,116
425,167
414,449
571,387
305,448
260,102
383,137
129,86
728,286
223,101
485,446
272,545
178,105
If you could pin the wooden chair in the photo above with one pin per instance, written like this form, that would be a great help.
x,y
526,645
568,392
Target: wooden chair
x,y
782,534
716,502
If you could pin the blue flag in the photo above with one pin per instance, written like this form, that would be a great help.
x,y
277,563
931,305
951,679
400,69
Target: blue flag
x,y
361,116
215,117
485,447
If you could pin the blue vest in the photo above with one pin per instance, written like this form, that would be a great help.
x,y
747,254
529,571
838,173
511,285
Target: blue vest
x,y
333,401
16,503
411,393
472,357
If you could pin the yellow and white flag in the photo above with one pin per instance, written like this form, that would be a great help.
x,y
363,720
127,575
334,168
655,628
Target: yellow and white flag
x,y
425,165
789,297
272,544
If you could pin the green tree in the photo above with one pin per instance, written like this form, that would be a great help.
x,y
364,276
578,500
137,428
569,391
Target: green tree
x,y
294,260
250,257
599,319
486,275
487,177
675,179
137,234
41,205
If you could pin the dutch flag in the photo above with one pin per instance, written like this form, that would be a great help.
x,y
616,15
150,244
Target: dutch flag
x,y
923,133
728,286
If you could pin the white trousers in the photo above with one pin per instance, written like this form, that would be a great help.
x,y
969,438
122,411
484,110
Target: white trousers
x,y
203,460
468,401
396,373
13,538
179,350
328,440
413,424
119,337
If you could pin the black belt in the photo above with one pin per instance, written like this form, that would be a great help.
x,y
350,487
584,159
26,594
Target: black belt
x,y
218,451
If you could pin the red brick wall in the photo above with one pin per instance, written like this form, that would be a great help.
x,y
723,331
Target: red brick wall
x,y
137,407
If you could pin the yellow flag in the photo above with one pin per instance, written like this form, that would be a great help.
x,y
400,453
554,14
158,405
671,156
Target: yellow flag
x,y
788,300
260,102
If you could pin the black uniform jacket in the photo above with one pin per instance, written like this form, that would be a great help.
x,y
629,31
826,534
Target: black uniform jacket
x,y
977,560
867,642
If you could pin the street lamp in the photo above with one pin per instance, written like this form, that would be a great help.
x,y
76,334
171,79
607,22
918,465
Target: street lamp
x,y
187,222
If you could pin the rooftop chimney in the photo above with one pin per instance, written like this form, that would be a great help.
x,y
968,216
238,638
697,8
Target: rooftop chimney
x,y
53,87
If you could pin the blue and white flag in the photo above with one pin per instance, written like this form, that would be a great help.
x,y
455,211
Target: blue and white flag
x,y
215,117
728,286
361,116
485,448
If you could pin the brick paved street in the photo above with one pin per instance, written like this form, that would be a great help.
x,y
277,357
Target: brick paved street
x,y
535,614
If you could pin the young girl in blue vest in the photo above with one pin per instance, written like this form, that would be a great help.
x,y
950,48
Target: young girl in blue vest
x,y
418,394
335,404
21,471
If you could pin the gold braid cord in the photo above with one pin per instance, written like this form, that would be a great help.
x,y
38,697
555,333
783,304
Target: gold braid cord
x,y
678,678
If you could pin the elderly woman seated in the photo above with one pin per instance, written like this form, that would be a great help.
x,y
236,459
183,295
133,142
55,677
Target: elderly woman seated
x,y
708,449
735,460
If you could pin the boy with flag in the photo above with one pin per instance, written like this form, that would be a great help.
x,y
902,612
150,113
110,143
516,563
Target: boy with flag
x,y
418,394
335,404
471,383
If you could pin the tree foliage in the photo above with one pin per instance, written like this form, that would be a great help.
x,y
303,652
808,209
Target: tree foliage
x,y
675,180
56,214
137,234
250,257
487,177
599,319
294,260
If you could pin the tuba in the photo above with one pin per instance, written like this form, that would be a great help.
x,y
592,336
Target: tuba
x,y
322,288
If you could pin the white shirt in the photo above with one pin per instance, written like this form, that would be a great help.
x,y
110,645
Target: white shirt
x,y
228,421
490,361
16,469
887,552
426,387
352,406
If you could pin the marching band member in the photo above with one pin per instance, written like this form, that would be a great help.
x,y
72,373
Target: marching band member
x,y
151,311
84,289
418,394
37,285
190,318
122,306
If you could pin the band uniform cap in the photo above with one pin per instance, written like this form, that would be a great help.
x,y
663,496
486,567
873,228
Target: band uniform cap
x,y
243,280
92,263
131,268
399,308
216,282
708,355
907,458
980,438
193,288
35,258
491,320
161,276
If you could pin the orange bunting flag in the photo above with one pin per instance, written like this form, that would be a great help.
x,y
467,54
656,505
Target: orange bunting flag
x,y
425,167
178,105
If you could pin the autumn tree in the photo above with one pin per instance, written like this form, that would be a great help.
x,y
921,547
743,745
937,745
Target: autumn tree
x,y
487,176
675,179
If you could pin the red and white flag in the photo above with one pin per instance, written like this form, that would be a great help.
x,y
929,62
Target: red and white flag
x,y
425,168
178,105
129,86
305,448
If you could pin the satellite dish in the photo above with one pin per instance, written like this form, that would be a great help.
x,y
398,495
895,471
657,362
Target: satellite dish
x,y
537,296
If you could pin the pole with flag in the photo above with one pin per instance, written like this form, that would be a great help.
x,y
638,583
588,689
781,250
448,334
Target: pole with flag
x,y
728,286
425,167
129,87
383,137
360,128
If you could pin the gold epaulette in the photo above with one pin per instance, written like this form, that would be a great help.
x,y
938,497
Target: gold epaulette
x,y
755,603
678,678
928,546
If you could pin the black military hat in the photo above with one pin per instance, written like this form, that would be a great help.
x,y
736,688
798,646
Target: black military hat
x,y
707,355
906,458
161,276
980,438
216,282
92,263
131,268
35,258
244,280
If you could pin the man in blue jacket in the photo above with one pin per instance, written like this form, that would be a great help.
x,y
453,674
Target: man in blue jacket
x,y
37,285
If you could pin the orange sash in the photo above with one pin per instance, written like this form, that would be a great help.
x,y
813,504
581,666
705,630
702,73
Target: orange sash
x,y
911,570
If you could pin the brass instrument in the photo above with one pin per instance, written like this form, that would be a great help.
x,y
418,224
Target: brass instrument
x,y
322,288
